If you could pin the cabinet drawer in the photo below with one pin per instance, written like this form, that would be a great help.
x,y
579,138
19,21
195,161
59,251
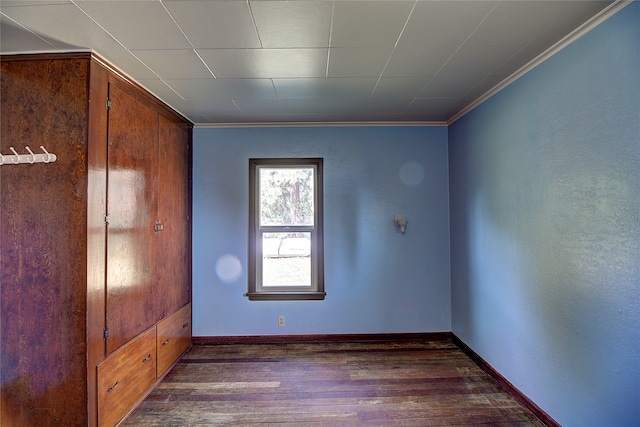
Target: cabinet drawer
x,y
174,337
125,376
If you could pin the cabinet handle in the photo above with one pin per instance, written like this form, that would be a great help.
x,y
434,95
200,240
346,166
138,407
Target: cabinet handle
x,y
146,359
113,387
185,325
167,341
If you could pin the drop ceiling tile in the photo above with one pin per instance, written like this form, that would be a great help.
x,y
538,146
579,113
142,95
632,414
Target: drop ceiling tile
x,y
419,61
163,91
266,63
480,89
125,61
448,22
284,24
215,24
62,22
321,106
138,24
368,23
14,38
400,87
208,107
432,108
357,62
224,88
433,34
324,88
521,20
468,67
174,64
9,3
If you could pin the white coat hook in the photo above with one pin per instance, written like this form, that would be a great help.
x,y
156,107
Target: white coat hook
x,y
31,159
49,156
16,156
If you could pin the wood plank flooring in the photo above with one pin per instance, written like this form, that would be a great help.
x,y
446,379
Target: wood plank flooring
x,y
407,383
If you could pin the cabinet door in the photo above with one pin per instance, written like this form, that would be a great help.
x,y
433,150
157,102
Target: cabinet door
x,y
131,205
173,266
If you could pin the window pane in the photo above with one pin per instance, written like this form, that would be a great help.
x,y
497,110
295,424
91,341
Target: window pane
x,y
286,196
286,259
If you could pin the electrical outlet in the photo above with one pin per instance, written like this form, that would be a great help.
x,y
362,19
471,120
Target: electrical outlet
x,y
280,320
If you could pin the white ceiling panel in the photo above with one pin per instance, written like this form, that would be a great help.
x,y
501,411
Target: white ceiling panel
x,y
447,82
266,63
219,61
175,64
215,23
358,62
163,91
524,20
224,88
369,23
58,22
213,107
14,38
338,88
433,34
400,87
283,24
137,24
436,107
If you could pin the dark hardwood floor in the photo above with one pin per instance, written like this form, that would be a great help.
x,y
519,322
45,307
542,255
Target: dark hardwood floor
x,y
407,383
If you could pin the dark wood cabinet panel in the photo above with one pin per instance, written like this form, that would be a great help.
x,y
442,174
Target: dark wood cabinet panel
x,y
43,242
131,205
174,241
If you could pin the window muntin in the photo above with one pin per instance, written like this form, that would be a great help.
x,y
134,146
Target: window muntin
x,y
285,229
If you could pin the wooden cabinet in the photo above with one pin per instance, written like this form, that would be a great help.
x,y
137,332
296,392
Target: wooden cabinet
x,y
95,247
173,338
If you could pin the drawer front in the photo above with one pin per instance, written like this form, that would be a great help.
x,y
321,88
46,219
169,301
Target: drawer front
x,y
125,376
174,337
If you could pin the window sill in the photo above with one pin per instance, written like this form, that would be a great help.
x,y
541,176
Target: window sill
x,y
285,296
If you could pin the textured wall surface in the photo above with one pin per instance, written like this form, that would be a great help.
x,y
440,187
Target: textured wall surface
x,y
377,280
545,223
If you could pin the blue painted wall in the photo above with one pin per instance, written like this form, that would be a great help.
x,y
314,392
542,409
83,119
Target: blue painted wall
x,y
545,229
377,280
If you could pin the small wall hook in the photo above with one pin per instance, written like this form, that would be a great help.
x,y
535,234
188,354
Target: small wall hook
x,y
401,221
16,156
32,157
48,159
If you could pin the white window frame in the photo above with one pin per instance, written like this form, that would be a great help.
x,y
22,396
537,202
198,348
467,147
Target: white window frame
x,y
256,290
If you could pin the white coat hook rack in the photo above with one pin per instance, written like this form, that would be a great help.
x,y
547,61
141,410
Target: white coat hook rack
x,y
31,158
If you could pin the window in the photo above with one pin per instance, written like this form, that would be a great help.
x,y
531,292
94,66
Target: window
x,y
285,229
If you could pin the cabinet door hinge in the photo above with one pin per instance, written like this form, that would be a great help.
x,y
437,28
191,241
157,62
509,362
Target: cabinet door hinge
x,y
108,104
105,335
158,227
107,218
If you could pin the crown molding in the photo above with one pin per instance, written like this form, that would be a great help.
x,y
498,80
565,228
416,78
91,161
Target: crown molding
x,y
589,25
316,124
